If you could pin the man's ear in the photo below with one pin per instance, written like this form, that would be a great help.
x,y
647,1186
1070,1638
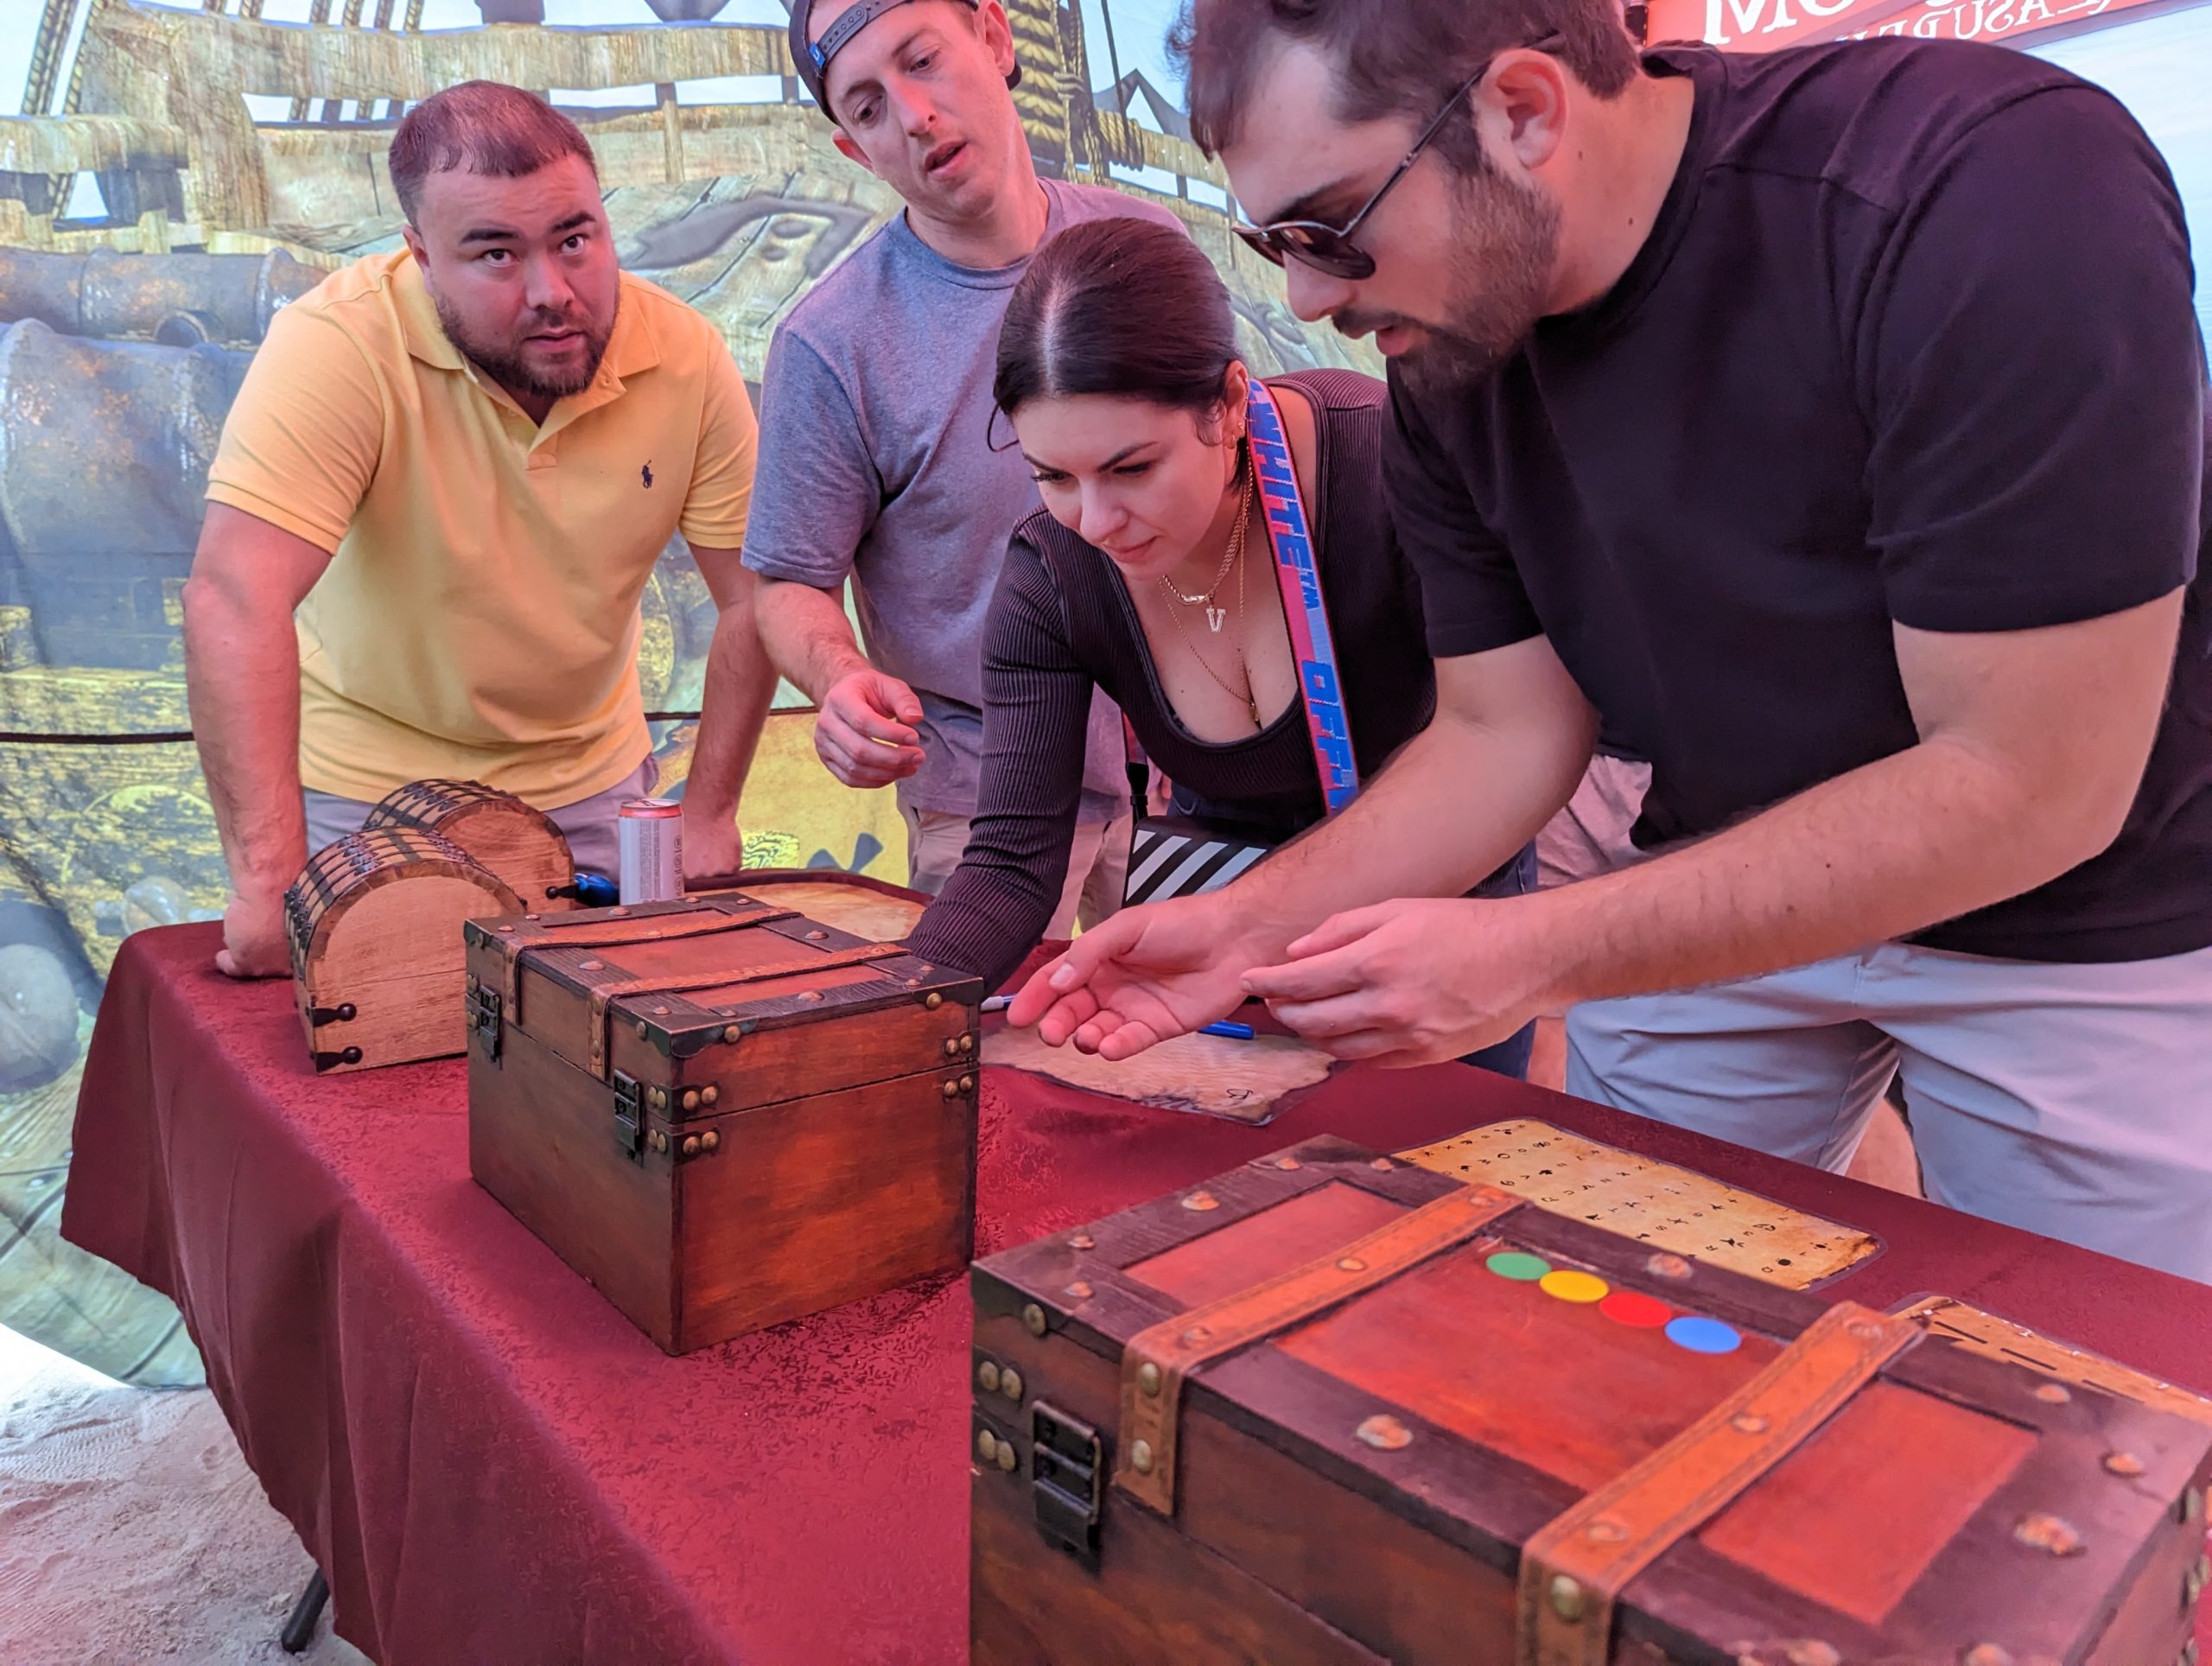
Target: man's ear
x,y
414,241
1525,99
998,34
850,151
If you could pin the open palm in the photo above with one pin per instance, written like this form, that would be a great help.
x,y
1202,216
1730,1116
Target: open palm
x,y
1134,980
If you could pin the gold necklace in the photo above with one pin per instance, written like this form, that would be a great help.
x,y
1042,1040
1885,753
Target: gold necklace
x,y
1231,550
1251,701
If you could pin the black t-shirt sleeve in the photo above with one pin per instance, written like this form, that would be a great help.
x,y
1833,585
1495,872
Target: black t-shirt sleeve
x,y
1471,598
1036,716
2034,378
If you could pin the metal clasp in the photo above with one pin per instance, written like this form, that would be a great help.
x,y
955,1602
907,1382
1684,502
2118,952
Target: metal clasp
x,y
1068,1467
486,1017
629,1117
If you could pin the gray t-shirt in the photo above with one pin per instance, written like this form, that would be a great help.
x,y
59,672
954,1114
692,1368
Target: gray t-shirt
x,y
875,462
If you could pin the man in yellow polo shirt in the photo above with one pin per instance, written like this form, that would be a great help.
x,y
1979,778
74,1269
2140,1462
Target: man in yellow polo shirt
x,y
437,500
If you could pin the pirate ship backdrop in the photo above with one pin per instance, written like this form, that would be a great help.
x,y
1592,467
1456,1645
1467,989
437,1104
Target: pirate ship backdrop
x,y
177,176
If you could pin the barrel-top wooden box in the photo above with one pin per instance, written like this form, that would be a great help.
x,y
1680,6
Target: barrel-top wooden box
x,y
513,840
1330,1407
722,1113
374,922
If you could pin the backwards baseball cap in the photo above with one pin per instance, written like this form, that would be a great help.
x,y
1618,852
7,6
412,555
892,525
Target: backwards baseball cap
x,y
812,58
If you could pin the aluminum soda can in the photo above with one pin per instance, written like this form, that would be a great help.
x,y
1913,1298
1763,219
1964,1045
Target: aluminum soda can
x,y
650,832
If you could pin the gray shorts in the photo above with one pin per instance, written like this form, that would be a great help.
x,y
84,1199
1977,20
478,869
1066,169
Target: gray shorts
x,y
588,824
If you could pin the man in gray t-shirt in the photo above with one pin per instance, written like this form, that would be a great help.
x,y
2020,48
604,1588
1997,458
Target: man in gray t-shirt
x,y
876,459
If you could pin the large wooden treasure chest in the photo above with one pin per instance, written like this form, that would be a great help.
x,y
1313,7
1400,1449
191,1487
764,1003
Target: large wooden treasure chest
x,y
374,924
722,1113
1331,1408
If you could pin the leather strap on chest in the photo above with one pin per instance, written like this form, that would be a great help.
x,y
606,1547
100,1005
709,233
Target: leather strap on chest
x,y
605,995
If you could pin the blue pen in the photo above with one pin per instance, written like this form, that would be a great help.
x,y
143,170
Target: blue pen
x,y
999,1003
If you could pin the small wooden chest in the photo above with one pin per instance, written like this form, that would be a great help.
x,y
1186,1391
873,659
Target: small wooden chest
x,y
374,924
722,1114
513,840
1329,1408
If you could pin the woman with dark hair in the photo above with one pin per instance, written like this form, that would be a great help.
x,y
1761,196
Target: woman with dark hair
x,y
1150,573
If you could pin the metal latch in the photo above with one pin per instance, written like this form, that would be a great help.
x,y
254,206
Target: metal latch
x,y
486,1017
1067,1466
629,1117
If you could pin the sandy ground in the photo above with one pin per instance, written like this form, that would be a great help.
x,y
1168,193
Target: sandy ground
x,y
130,1528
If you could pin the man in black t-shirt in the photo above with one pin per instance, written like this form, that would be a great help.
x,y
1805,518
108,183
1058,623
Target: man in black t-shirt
x,y
1834,423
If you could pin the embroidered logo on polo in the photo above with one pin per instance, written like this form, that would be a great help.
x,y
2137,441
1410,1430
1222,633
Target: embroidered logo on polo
x,y
646,475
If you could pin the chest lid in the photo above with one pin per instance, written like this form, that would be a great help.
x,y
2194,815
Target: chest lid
x,y
1657,1452
643,989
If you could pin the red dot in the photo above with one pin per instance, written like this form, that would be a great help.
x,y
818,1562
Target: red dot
x,y
1632,1307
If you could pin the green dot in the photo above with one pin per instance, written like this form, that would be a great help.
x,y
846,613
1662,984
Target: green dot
x,y
1521,1268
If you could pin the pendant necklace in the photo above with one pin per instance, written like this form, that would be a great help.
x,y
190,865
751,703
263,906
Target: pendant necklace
x,y
1245,694
1235,547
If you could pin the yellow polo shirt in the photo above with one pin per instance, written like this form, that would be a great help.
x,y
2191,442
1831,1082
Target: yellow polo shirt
x,y
479,618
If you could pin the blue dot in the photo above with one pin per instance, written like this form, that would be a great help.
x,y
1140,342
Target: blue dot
x,y
1703,1335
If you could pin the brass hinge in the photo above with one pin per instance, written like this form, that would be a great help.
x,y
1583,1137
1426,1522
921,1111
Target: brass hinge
x,y
487,1018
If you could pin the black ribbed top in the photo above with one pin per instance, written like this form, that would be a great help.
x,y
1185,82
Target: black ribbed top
x,y
1062,621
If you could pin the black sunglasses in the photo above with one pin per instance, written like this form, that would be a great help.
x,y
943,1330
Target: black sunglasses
x,y
1330,248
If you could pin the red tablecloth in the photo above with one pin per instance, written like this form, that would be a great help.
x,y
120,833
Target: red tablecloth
x,y
491,1464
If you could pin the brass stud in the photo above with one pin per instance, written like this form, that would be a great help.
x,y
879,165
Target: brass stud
x,y
711,1141
1033,1317
1351,1264
1986,1654
616,914
987,1376
2123,1463
810,994
967,1085
1567,1598
690,1098
1148,1378
1384,1433
1811,1651
1082,1241
1604,1531
1079,1290
1010,1384
657,1097
1666,1264
2041,1530
1287,1162
2187,1654
816,936
951,1088
1007,1458
708,1095
2192,1504
658,1141
933,1000
643,1029
732,1032
506,928
987,1446
690,1145
2199,1577
2052,1394
967,1043
591,965
951,1048
1140,1457
1201,1201
1382,1165
1748,1422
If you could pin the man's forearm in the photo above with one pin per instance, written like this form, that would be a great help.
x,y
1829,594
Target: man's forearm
x,y
741,684
807,635
242,678
1457,802
1882,851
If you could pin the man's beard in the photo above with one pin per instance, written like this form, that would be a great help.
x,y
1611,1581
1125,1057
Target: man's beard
x,y
1508,244
505,365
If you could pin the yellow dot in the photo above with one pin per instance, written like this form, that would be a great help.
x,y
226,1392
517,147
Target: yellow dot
x,y
1569,1286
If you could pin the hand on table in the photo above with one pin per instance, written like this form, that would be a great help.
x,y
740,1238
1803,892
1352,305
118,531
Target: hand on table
x,y
1413,982
1143,976
866,733
713,846
254,944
